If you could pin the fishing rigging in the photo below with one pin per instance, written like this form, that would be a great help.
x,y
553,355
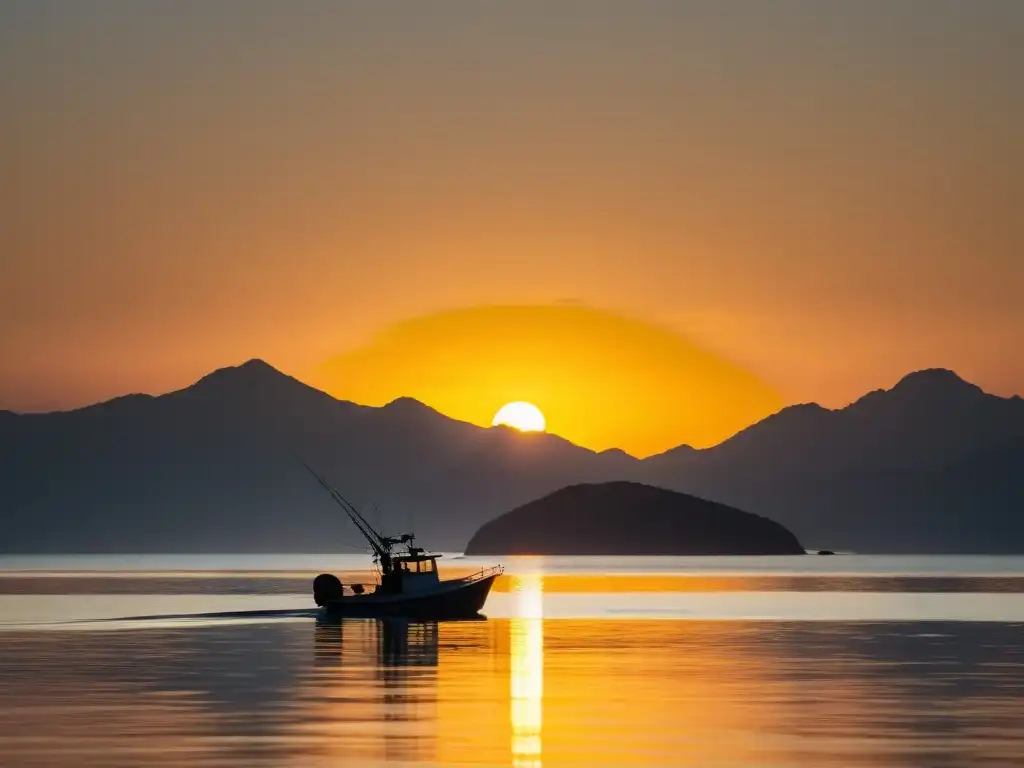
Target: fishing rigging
x,y
380,544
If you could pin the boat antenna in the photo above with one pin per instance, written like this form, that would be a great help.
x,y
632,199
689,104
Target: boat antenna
x,y
380,545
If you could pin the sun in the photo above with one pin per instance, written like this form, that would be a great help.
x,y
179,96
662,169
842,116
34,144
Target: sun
x,y
525,417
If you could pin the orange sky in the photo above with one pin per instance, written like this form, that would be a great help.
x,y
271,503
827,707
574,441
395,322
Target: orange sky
x,y
602,380
824,196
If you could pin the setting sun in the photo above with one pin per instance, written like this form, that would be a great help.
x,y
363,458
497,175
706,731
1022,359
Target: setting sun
x,y
523,416
580,365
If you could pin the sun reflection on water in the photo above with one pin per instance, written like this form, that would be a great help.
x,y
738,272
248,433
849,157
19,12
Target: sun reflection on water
x,y
526,641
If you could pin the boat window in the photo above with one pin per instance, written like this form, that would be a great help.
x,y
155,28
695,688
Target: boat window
x,y
417,566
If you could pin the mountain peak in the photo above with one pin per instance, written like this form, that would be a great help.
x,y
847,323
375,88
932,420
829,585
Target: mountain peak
x,y
249,370
617,452
255,364
254,381
932,380
407,403
409,410
684,451
410,407
931,375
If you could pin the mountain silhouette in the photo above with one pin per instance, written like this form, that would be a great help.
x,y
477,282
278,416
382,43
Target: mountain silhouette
x,y
932,464
872,476
214,467
929,417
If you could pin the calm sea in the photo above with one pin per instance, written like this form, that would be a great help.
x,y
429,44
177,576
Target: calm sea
x,y
221,660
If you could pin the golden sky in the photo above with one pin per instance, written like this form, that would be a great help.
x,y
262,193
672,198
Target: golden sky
x,y
602,380
824,195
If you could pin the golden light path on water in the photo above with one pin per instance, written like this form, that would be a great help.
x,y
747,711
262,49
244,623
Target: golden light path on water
x,y
526,646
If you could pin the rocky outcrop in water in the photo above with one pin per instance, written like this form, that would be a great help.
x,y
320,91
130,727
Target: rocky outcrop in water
x,y
623,518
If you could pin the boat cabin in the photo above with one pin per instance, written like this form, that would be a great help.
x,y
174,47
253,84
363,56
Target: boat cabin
x,y
412,573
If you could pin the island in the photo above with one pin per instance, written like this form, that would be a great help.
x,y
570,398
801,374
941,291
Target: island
x,y
627,518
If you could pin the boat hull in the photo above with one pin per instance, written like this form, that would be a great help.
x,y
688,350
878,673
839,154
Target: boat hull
x,y
458,600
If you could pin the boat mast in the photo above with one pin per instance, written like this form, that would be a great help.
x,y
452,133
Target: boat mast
x,y
380,544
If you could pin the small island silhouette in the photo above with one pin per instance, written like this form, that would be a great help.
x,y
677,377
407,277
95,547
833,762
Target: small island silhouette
x,y
624,518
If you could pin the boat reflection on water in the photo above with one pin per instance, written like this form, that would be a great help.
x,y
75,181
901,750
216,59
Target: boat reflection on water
x,y
526,647
401,656
399,642
408,644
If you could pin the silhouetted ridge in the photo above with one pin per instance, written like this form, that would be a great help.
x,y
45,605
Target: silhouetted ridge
x,y
625,518
680,451
933,464
927,389
616,453
409,407
935,379
407,402
255,374
791,421
257,389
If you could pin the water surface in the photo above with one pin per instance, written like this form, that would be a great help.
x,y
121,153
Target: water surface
x,y
815,661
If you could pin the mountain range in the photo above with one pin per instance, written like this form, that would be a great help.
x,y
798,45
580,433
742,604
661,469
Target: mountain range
x,y
933,464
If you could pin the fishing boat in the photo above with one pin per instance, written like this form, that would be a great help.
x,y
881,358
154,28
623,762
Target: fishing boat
x,y
409,585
